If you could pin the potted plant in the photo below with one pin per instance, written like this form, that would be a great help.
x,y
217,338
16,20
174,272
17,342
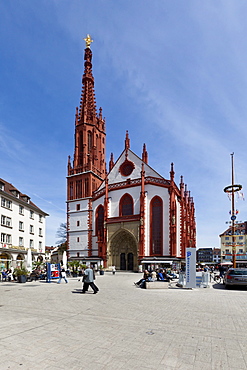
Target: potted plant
x,y
21,274
74,265
101,271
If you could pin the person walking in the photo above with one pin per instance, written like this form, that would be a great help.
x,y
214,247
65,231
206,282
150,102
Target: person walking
x,y
88,280
62,275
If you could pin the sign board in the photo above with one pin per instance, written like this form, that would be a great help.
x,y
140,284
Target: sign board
x,y
190,267
52,271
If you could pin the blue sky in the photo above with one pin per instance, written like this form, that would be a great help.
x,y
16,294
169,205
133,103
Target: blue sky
x,y
172,73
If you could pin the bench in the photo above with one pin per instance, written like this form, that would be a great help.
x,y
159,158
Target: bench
x,y
157,284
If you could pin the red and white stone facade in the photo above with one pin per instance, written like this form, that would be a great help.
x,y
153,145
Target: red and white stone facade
x,y
129,216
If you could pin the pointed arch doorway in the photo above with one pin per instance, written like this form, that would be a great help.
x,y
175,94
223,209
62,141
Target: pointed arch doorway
x,y
123,251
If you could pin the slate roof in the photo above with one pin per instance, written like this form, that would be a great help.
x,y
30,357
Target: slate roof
x,y
10,189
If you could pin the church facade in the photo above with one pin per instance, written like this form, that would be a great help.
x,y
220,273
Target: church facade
x,y
129,216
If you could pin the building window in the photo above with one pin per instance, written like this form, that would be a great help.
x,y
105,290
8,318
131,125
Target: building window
x,y
126,205
40,218
31,229
126,168
32,215
71,190
100,223
86,188
21,210
240,251
40,246
78,207
78,189
6,238
94,185
40,232
89,141
227,238
240,237
31,243
21,242
21,226
78,239
6,203
81,148
156,226
6,221
78,223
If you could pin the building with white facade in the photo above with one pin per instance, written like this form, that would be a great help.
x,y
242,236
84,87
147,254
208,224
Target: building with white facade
x,y
129,216
22,227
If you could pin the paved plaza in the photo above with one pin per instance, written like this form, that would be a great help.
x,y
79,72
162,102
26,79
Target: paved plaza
x,y
51,326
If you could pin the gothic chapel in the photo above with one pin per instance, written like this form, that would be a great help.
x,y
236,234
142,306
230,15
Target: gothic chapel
x,y
130,216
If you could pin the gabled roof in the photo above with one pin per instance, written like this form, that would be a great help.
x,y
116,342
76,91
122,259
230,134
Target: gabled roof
x,y
11,190
115,175
240,228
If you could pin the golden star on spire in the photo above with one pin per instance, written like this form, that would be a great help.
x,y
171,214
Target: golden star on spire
x,y
88,41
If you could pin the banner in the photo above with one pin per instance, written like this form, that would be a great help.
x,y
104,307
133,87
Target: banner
x,y
190,267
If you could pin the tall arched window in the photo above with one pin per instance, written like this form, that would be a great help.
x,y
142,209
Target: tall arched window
x,y
89,141
100,222
156,226
86,188
81,148
126,205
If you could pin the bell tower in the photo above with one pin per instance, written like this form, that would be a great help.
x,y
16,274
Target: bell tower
x,y
88,169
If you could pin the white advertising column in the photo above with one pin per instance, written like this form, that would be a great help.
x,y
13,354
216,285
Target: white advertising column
x,y
190,267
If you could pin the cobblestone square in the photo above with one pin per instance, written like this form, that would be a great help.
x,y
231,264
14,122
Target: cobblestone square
x,y
51,326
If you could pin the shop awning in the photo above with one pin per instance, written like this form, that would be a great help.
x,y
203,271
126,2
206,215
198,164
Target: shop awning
x,y
156,261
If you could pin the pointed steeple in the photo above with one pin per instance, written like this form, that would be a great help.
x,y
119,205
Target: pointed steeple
x,y
111,163
172,173
87,111
127,141
144,154
182,186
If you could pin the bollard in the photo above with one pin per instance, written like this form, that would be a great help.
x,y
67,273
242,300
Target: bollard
x,y
181,279
205,280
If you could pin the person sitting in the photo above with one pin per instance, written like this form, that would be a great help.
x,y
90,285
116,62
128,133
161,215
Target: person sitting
x,y
153,275
166,276
9,275
35,274
160,276
142,282
171,274
4,275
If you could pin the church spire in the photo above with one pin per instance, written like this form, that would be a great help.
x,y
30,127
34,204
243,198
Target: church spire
x,y
87,111
89,165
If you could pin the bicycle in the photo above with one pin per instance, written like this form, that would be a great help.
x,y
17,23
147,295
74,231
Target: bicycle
x,y
218,279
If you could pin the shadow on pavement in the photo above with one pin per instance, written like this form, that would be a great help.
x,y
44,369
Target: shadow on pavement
x,y
235,287
76,291
218,286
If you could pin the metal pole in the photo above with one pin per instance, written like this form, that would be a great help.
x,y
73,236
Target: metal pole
x,y
233,218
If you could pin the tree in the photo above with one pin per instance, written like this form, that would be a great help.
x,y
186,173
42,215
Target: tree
x,y
62,233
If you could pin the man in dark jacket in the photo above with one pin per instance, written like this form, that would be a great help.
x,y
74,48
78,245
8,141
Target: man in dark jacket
x,y
88,280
